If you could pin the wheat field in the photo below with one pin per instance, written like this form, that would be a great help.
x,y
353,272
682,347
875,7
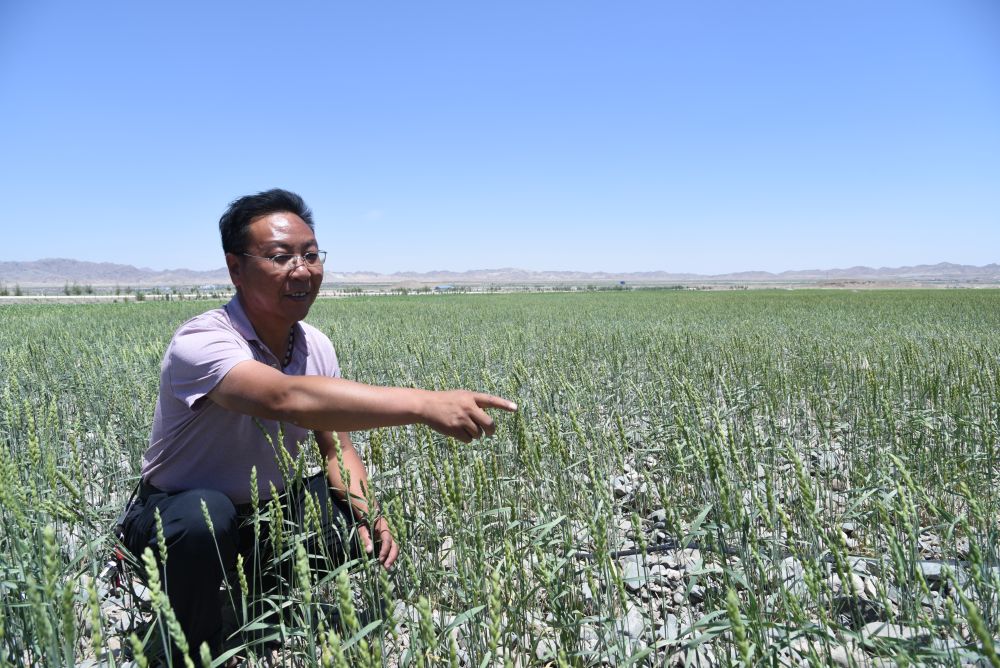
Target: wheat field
x,y
776,478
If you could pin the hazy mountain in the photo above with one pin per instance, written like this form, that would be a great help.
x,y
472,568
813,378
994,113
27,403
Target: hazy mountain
x,y
58,272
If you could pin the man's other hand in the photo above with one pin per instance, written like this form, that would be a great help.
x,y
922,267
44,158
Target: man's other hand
x,y
388,549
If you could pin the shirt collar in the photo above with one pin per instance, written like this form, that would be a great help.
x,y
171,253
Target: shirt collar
x,y
239,320
241,323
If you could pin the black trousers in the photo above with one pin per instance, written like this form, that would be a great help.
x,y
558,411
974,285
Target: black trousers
x,y
199,558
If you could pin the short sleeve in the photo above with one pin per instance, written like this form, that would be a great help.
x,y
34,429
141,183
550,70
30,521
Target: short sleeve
x,y
322,358
199,358
334,364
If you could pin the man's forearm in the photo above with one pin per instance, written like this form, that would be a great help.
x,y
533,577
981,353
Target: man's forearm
x,y
354,489
336,404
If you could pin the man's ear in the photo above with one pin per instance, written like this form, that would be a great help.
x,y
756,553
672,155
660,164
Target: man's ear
x,y
234,266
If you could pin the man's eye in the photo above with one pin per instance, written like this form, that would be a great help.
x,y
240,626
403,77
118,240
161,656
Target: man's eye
x,y
310,257
282,259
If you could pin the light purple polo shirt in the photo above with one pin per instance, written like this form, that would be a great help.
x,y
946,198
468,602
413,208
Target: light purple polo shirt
x,y
195,443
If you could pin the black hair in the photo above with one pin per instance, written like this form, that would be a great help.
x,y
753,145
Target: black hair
x,y
243,211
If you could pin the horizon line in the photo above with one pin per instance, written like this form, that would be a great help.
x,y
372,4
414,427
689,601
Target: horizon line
x,y
223,269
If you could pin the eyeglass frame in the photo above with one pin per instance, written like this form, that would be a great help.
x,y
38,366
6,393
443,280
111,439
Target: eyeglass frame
x,y
301,259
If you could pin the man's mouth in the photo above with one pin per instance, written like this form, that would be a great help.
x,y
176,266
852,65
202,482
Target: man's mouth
x,y
298,295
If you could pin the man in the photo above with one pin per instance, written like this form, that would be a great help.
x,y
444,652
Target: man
x,y
240,381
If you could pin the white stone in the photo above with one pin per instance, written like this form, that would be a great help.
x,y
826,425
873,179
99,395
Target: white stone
x,y
854,585
895,631
828,462
670,630
858,564
446,554
659,515
932,570
621,487
793,575
871,591
635,622
142,593
589,640
660,558
545,649
634,575
842,656
688,558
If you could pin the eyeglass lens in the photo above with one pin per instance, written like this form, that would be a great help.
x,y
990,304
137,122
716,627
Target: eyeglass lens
x,y
288,259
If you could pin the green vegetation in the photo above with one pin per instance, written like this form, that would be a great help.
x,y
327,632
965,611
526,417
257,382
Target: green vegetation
x,y
733,478
76,289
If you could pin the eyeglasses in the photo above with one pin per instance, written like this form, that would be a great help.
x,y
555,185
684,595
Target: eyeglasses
x,y
289,261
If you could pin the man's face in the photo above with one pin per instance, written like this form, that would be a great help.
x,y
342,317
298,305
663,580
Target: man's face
x,y
274,295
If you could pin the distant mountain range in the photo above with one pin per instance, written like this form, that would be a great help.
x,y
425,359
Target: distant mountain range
x,y
58,272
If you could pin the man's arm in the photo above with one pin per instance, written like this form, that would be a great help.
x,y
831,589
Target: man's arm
x,y
374,525
322,404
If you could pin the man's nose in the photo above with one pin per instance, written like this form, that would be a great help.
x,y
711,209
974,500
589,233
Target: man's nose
x,y
298,262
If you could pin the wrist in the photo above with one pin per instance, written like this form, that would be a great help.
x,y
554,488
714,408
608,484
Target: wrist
x,y
419,412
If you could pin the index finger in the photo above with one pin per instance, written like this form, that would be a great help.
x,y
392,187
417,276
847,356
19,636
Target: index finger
x,y
490,401
385,546
366,538
393,554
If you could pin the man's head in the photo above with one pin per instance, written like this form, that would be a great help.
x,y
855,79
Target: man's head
x,y
237,218
273,257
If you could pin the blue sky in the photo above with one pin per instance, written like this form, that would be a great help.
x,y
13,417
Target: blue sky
x,y
706,136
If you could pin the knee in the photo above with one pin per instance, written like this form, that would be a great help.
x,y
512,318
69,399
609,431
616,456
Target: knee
x,y
204,519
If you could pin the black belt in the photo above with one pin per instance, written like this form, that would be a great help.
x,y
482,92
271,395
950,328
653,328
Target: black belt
x,y
147,490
